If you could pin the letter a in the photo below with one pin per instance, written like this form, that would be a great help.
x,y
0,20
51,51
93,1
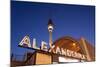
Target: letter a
x,y
25,42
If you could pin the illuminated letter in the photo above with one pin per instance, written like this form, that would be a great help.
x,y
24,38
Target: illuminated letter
x,y
68,53
43,46
79,55
83,57
35,44
74,54
25,42
51,49
63,51
58,50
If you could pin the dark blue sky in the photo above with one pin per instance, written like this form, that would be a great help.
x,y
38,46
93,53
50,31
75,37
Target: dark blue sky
x,y
30,18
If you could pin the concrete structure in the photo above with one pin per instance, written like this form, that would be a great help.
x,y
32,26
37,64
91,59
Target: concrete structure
x,y
50,29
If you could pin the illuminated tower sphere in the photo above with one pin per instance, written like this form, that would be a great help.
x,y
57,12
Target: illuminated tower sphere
x,y
50,29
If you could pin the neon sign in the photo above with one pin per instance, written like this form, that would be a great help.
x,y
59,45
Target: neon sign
x,y
66,52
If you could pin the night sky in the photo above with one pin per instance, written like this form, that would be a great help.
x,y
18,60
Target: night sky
x,y
31,18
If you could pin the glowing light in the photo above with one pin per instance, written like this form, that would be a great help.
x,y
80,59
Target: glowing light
x,y
74,44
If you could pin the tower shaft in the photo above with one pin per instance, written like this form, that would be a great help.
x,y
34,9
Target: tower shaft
x,y
50,39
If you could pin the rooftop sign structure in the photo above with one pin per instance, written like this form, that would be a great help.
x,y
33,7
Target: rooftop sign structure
x,y
65,52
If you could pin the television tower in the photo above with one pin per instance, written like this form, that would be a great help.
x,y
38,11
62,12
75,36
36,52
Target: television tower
x,y
50,29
